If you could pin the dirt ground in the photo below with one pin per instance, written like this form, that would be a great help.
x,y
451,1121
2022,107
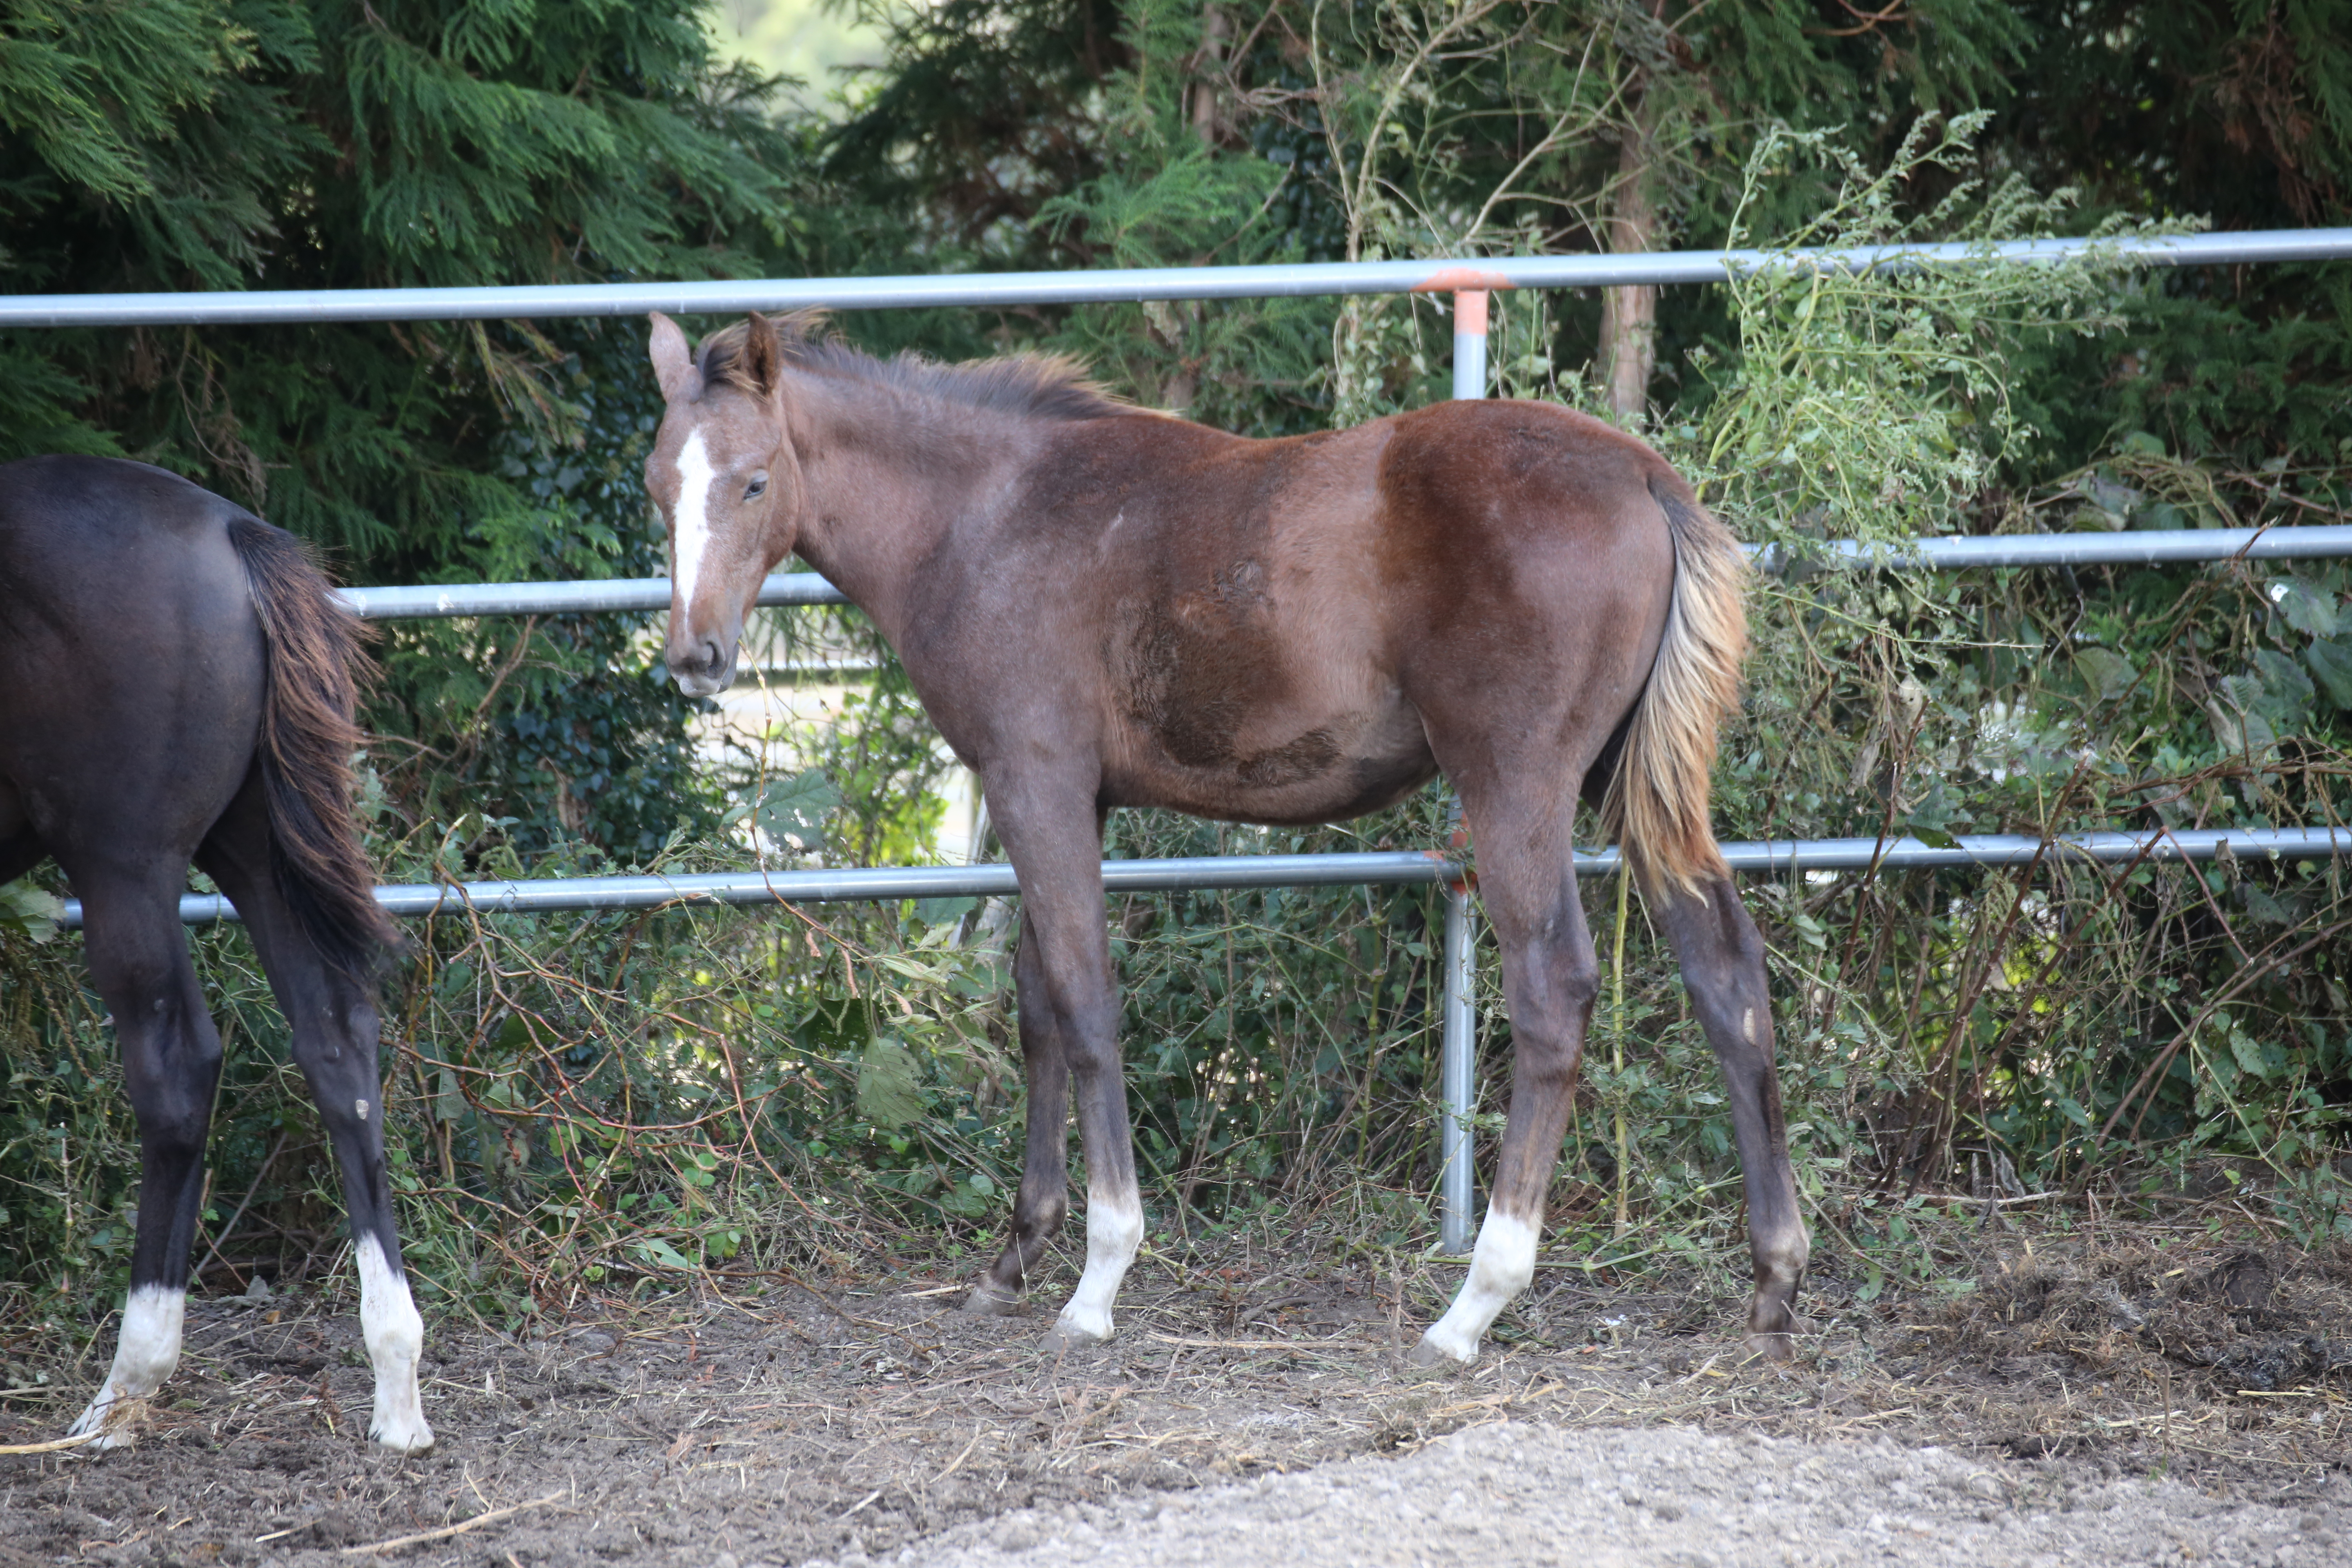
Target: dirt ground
x,y
772,1420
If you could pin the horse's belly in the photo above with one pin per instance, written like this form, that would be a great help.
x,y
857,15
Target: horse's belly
x,y
1324,773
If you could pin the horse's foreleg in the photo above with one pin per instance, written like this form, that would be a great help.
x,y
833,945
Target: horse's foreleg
x,y
170,1064
1039,1208
1067,987
1114,1202
335,1042
1551,979
1722,959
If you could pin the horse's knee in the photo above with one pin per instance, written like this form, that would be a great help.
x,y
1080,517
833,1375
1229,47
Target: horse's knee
x,y
1040,1210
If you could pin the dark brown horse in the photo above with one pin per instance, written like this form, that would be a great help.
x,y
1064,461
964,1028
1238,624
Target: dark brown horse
x,y
1102,607
176,684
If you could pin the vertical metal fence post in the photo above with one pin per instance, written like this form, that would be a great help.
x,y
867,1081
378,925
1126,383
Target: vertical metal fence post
x,y
1458,1034
1457,1061
1470,344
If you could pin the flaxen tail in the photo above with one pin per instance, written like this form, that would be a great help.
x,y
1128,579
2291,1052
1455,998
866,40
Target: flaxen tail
x,y
307,736
1657,806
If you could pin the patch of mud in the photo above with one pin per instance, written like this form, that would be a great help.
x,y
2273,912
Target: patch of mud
x,y
778,1424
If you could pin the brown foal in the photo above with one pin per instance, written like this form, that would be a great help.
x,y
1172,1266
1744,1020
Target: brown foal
x,y
1101,605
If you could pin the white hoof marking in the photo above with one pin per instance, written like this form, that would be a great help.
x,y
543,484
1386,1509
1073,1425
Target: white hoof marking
x,y
395,1338
1500,1267
1114,1232
144,1354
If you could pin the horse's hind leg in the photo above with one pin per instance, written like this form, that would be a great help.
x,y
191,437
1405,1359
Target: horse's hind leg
x,y
1043,1201
1722,959
1527,885
335,1030
171,1064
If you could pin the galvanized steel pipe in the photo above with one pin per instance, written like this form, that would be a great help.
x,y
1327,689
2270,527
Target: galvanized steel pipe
x,y
539,895
428,600
2154,547
1457,1074
1457,1014
2131,548
734,296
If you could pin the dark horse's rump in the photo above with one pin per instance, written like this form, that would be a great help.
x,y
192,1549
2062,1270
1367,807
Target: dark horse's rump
x,y
176,686
1101,606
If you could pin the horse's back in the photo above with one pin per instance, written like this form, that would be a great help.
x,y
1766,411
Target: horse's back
x,y
1258,628
65,509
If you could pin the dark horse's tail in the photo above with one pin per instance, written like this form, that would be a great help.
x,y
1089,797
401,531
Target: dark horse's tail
x,y
1656,806
307,736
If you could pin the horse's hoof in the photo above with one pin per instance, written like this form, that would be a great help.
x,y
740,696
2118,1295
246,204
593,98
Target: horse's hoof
x,y
1771,1347
116,1422
408,1441
405,1444
1066,1335
1430,1356
984,1303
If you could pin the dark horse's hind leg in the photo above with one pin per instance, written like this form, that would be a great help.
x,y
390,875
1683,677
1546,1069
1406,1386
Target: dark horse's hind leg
x,y
335,1033
1044,1200
171,1064
1722,959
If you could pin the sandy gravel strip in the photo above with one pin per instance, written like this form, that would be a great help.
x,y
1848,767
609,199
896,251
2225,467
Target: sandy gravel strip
x,y
1516,1494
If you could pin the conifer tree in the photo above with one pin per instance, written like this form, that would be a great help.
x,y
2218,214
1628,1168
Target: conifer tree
x,y
218,144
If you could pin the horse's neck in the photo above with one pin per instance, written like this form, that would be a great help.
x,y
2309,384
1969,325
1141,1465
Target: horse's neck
x,y
888,476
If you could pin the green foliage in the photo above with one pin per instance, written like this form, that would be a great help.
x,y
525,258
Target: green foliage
x,y
1877,406
592,1099
263,143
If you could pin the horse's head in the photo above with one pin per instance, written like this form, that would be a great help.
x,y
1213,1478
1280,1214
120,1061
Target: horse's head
x,y
728,482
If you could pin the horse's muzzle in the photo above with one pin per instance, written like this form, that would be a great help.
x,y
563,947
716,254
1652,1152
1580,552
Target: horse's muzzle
x,y
705,672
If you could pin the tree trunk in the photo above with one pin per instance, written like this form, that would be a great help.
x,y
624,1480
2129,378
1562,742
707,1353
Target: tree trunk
x,y
1214,30
1628,316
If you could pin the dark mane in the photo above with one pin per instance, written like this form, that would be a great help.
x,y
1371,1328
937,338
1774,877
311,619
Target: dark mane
x,y
1047,386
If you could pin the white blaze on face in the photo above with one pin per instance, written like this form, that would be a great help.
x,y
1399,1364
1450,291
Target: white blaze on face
x,y
1500,1267
691,521
1114,1232
144,1355
395,1338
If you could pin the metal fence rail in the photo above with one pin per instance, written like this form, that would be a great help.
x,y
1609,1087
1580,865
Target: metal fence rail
x,y
1127,285
886,884
2154,547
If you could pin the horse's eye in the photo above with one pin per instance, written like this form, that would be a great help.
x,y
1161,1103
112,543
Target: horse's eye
x,y
757,489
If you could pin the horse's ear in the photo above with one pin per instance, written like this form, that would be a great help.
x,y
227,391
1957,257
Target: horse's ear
x,y
673,361
763,357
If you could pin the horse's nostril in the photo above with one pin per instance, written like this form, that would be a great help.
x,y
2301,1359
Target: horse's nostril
x,y
711,658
